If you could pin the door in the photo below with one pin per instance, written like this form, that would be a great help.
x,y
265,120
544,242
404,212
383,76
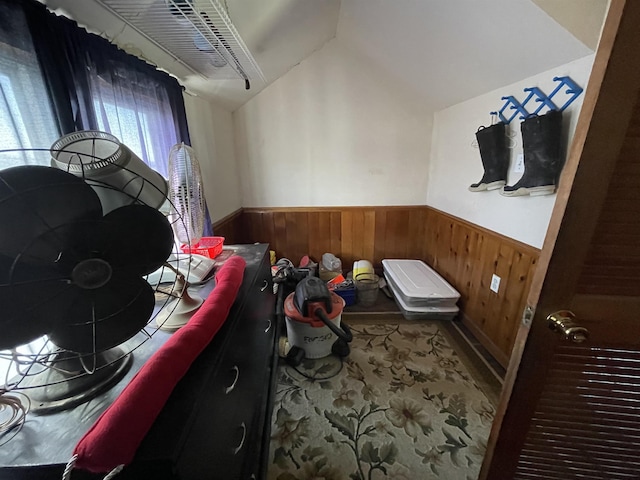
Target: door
x,y
571,409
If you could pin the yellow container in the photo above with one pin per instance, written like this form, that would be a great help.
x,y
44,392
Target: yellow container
x,y
362,266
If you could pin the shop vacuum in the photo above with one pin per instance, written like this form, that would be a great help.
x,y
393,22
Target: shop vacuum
x,y
313,320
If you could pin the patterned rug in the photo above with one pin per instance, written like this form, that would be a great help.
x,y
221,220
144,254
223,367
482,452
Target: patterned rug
x,y
401,406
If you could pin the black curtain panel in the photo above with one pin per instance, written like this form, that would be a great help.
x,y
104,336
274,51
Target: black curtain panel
x,y
75,61
93,85
53,39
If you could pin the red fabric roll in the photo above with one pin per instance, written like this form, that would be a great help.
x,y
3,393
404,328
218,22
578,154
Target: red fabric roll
x,y
115,436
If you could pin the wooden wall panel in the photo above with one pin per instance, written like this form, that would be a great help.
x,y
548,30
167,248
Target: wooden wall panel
x,y
380,235
351,233
464,254
230,227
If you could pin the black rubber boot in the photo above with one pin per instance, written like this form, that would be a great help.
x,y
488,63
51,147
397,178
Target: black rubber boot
x,y
542,147
495,157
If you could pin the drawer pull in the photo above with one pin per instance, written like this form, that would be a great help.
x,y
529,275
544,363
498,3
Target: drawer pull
x,y
264,287
244,434
268,326
235,380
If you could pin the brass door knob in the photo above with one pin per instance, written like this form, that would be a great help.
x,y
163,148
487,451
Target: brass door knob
x,y
564,323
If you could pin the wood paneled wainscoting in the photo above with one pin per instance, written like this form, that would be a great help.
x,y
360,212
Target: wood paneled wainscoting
x,y
466,255
230,227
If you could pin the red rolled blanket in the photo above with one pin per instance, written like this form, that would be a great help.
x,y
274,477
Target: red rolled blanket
x,y
114,438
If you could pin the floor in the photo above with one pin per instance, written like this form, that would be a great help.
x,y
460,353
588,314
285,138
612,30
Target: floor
x,y
487,372
410,400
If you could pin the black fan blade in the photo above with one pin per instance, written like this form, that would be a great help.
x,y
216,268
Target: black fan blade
x,y
140,239
31,310
55,253
121,308
35,290
35,200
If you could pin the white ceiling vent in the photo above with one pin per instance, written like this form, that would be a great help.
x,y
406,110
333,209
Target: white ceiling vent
x,y
198,33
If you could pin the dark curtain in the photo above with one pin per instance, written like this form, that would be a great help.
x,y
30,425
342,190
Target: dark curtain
x,y
93,85
72,59
69,93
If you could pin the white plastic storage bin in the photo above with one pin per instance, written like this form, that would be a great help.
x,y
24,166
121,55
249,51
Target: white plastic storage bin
x,y
422,313
418,285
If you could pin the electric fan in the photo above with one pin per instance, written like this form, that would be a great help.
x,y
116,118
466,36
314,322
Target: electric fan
x,y
186,200
186,194
118,176
77,240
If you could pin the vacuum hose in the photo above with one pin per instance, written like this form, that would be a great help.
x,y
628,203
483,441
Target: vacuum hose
x,y
343,333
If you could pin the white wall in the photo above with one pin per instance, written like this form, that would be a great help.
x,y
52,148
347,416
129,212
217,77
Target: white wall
x,y
211,131
332,131
456,163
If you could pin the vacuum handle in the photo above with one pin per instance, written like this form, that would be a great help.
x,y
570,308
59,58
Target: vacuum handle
x,y
343,333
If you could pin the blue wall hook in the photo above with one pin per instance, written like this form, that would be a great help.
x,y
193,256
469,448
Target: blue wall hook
x,y
540,98
512,104
573,89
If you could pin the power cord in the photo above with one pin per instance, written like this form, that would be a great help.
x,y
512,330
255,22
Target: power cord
x,y
17,406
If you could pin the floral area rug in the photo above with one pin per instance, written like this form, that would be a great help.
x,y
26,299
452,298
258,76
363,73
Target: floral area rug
x,y
400,406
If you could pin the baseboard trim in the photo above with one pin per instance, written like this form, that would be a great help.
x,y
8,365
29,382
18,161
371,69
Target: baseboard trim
x,y
486,342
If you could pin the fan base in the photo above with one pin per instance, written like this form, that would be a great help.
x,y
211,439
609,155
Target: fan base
x,y
64,384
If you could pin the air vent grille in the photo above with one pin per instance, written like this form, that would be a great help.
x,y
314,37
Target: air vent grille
x,y
198,33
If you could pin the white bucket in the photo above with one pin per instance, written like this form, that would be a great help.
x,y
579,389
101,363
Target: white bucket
x,y
314,337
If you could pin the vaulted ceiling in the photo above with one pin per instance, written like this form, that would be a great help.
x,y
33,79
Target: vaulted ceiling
x,y
442,52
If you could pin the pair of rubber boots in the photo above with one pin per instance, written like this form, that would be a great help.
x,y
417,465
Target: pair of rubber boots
x,y
542,147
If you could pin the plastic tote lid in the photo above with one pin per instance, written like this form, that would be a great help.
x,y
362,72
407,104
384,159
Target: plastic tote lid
x,y
290,310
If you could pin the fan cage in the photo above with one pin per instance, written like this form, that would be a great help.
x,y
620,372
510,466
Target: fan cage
x,y
79,161
33,358
186,194
99,158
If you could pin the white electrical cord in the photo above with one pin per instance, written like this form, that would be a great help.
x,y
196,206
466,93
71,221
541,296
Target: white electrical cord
x,y
66,475
14,407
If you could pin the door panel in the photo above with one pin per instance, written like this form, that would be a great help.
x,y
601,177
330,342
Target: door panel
x,y
612,264
586,421
569,410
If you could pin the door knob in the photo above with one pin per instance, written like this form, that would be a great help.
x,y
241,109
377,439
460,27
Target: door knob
x,y
564,323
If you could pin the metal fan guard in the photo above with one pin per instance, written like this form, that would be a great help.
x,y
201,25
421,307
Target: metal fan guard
x,y
66,389
80,162
109,167
186,194
23,368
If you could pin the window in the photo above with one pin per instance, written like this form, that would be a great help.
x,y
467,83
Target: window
x,y
56,78
92,84
26,118
140,120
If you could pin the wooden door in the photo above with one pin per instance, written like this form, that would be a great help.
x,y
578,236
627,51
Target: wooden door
x,y
572,410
